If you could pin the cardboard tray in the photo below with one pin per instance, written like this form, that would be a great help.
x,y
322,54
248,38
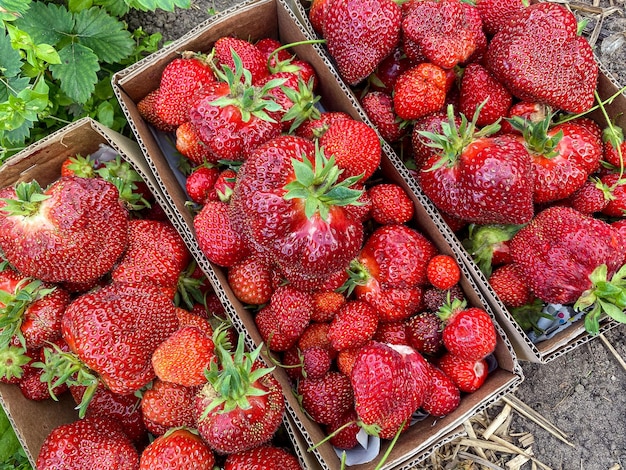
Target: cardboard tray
x,y
525,349
254,20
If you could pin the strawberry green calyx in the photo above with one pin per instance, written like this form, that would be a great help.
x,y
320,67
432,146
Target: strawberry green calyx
x,y
12,362
28,198
287,65
304,101
249,99
536,135
450,308
319,186
233,376
605,297
119,173
484,239
528,316
82,166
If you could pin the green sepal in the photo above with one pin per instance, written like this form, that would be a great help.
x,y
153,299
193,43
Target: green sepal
x,y
29,197
12,361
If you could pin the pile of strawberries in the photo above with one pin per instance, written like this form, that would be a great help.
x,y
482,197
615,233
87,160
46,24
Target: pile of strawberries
x,y
487,103
366,315
100,298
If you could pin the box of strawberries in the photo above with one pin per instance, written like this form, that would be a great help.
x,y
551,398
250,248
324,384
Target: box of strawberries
x,y
500,111
305,224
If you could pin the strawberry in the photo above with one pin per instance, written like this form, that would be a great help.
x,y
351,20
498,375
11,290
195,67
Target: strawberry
x,y
200,183
558,68
251,57
443,397
266,457
384,77
224,186
315,128
467,375
568,257
478,178
390,204
74,231
434,298
267,47
447,32
614,145
183,81
146,107
424,333
95,442
167,405
495,14
468,332
315,335
510,286
379,109
242,405
392,333
528,110
176,450
344,430
345,360
432,122
197,317
251,281
489,245
354,325
217,238
390,382
183,357
355,147
316,362
190,145
317,15
593,196
156,253
443,271
34,387
327,397
614,189
419,91
360,34
15,362
478,85
77,165
326,304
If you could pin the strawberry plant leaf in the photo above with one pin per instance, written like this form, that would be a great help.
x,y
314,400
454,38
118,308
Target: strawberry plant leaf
x,y
47,23
77,72
12,9
167,5
104,35
10,61
117,8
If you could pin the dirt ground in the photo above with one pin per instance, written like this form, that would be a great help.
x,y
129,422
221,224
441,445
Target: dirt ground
x,y
583,392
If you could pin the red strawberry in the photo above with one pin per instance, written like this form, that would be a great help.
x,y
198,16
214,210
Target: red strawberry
x,y
327,397
447,32
190,145
146,107
495,14
317,15
379,109
443,397
224,186
15,362
614,189
360,34
268,47
510,286
468,375
424,333
316,362
434,298
593,196
315,335
251,57
614,146
432,122
385,76
262,458
88,443
242,405
167,405
183,81
354,325
177,450
478,86
443,271
527,110
74,231
558,68
468,332
316,128
344,430
200,184
392,333
34,387
251,281
77,165
326,304
390,204
419,91
568,257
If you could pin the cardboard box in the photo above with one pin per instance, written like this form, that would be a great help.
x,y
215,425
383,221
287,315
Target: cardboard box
x,y
566,339
254,20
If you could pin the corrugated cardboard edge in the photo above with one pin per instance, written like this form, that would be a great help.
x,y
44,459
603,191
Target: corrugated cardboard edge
x,y
525,349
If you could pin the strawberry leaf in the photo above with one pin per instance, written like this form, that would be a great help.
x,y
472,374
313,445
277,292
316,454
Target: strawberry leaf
x,y
47,23
77,72
103,34
167,5
9,59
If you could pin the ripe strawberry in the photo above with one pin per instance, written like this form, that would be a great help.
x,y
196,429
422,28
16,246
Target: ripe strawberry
x,y
510,286
183,357
424,333
283,320
390,382
15,362
197,317
379,109
528,110
354,325
316,128
177,450
316,362
443,271
432,122
478,85
568,257
614,146
315,335
614,190
200,183
360,34
558,69
355,147
266,457
443,397
345,360
344,430
391,333
468,375
419,91
384,77
146,107
317,15
156,253
167,405
390,204
447,32
217,238
34,387
456,181
78,165
251,57
268,47
224,186
242,405
327,397
74,231
495,14
326,304
183,81
88,443
190,145
434,298
468,332
251,281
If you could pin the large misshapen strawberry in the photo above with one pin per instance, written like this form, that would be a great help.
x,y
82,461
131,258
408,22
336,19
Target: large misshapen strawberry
x,y
540,56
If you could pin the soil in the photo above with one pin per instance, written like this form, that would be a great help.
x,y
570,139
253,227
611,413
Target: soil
x,y
582,392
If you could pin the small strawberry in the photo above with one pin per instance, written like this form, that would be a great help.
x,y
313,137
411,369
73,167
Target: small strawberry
x,y
390,204
190,146
146,107
200,183
468,375
379,109
443,397
434,298
495,14
264,457
614,189
327,397
326,304
391,333
251,281
385,76
424,333
422,151
177,450
251,57
78,165
489,245
510,286
443,271
344,430
478,85
354,325
167,405
315,335
316,128
419,91
614,146
224,186
316,362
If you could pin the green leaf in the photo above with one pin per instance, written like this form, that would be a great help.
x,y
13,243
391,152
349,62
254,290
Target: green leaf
x,y
77,72
613,311
104,35
47,23
151,5
10,10
117,8
79,5
10,60
47,53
